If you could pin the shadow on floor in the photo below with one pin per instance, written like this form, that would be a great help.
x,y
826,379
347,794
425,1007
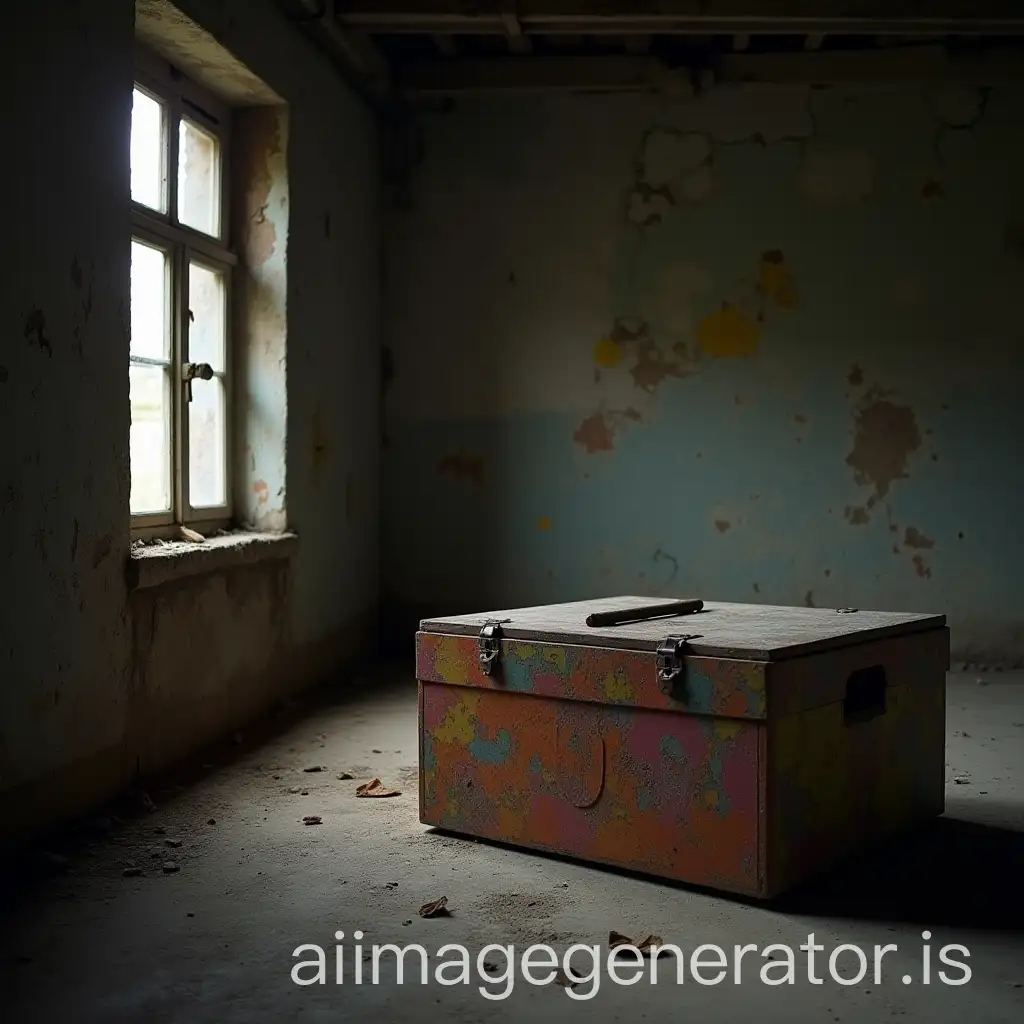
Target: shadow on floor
x,y
949,873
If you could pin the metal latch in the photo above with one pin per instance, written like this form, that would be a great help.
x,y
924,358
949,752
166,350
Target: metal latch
x,y
489,644
669,659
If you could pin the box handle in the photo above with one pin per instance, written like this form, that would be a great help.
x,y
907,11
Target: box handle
x,y
865,695
620,616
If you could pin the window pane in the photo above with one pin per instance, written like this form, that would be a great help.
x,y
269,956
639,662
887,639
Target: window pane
x,y
198,179
150,439
149,320
207,304
206,444
147,151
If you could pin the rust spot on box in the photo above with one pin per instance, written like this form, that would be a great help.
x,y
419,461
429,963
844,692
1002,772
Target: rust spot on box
x,y
856,514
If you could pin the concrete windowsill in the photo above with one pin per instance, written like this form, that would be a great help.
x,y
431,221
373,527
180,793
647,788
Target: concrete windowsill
x,y
156,563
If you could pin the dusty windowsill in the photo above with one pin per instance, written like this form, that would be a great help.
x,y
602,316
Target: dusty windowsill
x,y
159,562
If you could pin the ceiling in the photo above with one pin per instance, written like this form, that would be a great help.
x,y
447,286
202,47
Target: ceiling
x,y
424,48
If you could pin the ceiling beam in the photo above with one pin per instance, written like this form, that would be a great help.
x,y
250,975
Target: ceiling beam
x,y
729,17
517,41
627,73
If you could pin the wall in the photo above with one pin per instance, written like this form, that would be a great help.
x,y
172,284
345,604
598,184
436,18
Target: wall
x,y
98,682
761,344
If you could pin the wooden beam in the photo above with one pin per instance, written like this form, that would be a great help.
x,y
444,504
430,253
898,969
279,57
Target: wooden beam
x,y
628,73
517,41
727,17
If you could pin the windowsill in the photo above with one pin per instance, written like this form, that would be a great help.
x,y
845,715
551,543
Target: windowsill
x,y
154,563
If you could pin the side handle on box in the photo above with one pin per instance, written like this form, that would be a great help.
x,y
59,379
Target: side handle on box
x,y
865,696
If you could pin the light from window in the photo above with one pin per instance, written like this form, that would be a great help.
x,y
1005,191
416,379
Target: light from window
x,y
198,179
207,420
147,151
149,375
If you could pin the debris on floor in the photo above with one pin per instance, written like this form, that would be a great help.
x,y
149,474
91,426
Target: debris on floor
x,y
646,945
437,908
192,536
132,871
312,819
561,978
173,843
376,788
315,768
344,776
170,867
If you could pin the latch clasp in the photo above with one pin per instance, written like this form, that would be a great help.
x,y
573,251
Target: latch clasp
x,y
669,659
489,644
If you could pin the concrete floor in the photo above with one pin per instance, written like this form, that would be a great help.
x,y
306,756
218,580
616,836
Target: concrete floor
x,y
214,940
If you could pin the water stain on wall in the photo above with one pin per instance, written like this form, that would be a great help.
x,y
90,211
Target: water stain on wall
x,y
597,432
914,538
775,280
885,436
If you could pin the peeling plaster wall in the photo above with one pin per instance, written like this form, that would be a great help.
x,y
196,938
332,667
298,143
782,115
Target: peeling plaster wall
x,y
97,683
758,345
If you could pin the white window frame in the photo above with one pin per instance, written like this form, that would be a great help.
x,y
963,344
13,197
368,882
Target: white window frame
x,y
180,98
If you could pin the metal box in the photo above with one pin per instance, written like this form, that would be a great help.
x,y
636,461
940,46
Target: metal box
x,y
739,747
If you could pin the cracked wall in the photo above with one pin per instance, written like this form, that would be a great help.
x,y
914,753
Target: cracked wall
x,y
759,344
96,682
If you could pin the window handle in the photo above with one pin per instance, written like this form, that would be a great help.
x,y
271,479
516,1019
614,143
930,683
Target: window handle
x,y
192,371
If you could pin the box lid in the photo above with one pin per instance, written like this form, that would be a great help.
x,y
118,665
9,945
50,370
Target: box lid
x,y
747,631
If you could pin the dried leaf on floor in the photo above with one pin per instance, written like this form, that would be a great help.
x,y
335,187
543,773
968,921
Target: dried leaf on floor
x,y
376,788
312,819
437,908
563,979
192,536
646,945
343,776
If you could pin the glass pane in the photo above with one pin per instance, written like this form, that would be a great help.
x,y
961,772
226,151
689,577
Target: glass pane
x,y
198,179
206,444
149,320
208,306
150,439
147,151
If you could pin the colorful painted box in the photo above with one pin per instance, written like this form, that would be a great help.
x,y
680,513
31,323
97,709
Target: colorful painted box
x,y
741,747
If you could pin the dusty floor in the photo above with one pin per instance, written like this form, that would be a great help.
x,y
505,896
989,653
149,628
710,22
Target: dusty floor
x,y
213,940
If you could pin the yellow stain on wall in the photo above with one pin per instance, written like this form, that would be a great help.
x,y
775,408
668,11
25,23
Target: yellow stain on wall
x,y
522,652
459,725
776,282
728,333
711,799
608,353
617,687
544,523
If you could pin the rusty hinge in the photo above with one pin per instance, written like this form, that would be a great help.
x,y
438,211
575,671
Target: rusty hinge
x,y
670,660
489,644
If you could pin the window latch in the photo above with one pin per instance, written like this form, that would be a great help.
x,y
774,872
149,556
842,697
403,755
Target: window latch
x,y
192,371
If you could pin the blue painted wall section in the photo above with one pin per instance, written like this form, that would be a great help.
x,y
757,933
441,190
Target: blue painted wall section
x,y
763,344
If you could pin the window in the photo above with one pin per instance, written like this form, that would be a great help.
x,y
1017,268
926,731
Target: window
x,y
180,358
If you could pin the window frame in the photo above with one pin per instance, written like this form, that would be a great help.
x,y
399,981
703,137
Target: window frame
x,y
180,99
